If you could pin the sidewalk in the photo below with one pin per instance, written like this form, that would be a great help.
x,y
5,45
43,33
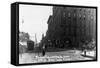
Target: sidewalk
x,y
91,54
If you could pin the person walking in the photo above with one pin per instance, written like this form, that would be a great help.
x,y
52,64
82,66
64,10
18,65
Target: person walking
x,y
43,50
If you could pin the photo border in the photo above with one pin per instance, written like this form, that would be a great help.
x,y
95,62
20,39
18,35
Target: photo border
x,y
17,33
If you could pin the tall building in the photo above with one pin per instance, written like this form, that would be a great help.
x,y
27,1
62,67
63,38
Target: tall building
x,y
72,24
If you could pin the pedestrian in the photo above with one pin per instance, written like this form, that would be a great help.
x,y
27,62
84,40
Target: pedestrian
x,y
85,52
43,50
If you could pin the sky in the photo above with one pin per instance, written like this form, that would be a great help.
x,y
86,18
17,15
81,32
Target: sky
x,y
33,20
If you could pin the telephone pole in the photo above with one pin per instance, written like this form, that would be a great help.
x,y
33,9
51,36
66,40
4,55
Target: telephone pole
x,y
35,39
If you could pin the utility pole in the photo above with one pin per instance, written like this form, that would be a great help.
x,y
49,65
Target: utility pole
x,y
22,19
22,23
35,39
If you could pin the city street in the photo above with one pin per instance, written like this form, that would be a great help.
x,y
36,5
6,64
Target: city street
x,y
69,55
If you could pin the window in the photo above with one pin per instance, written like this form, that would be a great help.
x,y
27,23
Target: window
x,y
64,14
79,15
91,17
80,9
69,15
74,14
84,17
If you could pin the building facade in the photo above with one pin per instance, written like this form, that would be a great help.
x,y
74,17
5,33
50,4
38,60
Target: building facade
x,y
71,24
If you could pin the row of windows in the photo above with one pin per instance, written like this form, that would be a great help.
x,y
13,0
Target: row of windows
x,y
79,9
78,15
75,10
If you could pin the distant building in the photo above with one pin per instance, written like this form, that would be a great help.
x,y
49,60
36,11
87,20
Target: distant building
x,y
72,23
25,42
23,38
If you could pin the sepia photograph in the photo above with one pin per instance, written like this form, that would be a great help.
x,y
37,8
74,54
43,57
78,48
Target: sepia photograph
x,y
51,33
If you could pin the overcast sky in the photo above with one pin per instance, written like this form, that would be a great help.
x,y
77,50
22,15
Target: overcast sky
x,y
33,19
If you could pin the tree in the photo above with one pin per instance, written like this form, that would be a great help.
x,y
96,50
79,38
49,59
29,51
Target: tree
x,y
91,45
23,36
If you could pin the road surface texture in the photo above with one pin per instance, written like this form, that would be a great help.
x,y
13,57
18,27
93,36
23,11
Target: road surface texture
x,y
69,55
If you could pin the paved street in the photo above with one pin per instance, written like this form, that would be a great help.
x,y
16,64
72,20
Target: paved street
x,y
70,55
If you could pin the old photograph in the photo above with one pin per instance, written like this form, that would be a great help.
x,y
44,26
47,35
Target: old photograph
x,y
56,33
